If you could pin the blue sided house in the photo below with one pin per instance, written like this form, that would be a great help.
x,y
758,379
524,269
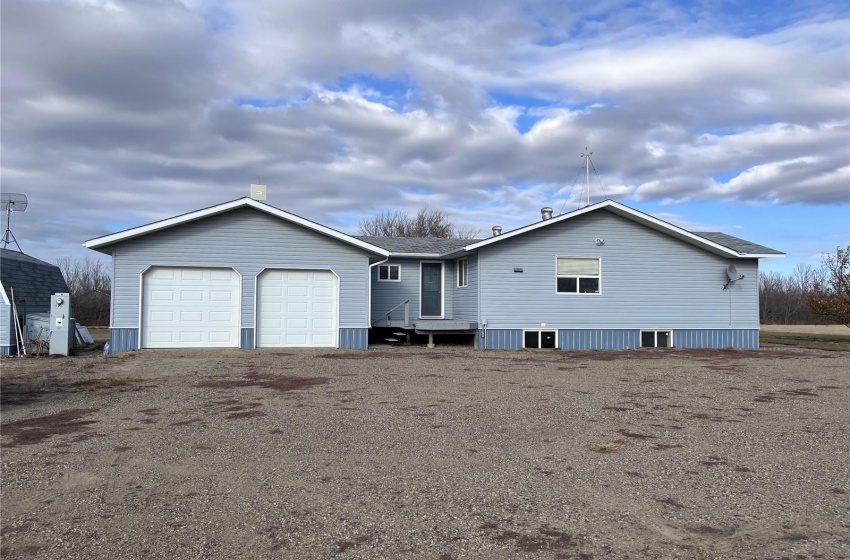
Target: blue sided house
x,y
245,274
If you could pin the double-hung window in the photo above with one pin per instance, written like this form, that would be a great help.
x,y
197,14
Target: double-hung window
x,y
389,273
578,275
462,273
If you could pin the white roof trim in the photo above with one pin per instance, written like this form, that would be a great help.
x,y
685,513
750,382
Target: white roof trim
x,y
99,242
632,214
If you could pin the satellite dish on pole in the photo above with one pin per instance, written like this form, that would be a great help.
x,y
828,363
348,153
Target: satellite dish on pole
x,y
12,202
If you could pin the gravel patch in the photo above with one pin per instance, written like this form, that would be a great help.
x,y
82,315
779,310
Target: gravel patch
x,y
446,453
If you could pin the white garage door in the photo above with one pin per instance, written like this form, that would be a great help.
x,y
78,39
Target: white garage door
x,y
190,308
296,308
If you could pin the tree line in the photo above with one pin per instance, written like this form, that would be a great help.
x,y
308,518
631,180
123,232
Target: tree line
x,y
808,294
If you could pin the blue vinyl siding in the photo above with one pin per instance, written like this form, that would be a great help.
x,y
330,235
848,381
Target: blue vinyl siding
x,y
354,339
387,295
649,280
465,300
246,339
458,303
123,340
249,241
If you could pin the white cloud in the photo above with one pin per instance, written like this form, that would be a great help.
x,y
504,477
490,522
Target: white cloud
x,y
132,110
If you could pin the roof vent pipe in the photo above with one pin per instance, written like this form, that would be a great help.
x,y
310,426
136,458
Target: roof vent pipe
x,y
546,213
497,230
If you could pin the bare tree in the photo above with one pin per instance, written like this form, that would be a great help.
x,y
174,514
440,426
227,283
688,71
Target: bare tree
x,y
426,223
90,286
831,295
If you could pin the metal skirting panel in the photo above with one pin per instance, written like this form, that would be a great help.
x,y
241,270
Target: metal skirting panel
x,y
598,339
500,339
354,339
246,339
6,351
716,338
123,340
623,339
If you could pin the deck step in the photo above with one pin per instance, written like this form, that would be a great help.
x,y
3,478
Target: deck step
x,y
401,334
391,339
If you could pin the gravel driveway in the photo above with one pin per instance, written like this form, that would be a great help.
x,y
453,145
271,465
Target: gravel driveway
x,y
411,453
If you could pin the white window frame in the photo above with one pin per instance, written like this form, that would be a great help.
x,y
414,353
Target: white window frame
x,y
463,280
578,277
655,338
389,277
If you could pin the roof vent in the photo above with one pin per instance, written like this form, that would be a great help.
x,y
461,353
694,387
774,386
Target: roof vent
x,y
546,213
258,192
497,230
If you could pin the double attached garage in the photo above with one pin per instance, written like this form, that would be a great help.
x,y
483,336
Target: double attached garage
x,y
242,274
201,308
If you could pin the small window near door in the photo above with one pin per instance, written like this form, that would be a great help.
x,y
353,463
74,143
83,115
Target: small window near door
x,y
540,339
656,339
389,273
462,273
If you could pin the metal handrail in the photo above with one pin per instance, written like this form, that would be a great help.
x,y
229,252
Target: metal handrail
x,y
406,303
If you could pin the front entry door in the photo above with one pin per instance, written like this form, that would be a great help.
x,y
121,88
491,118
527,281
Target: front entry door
x,y
432,290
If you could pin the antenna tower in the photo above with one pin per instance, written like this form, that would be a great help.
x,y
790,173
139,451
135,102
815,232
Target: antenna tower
x,y
586,156
12,202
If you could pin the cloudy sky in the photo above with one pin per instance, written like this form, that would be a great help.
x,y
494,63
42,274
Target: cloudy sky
x,y
715,115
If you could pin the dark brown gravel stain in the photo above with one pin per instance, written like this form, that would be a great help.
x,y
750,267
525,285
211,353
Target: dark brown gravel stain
x,y
36,430
246,414
634,435
281,383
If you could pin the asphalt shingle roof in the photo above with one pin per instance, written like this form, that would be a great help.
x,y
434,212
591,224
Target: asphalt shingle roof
x,y
737,244
32,279
416,245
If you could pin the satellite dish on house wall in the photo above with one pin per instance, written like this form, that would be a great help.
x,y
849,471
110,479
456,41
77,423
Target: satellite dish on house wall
x,y
732,273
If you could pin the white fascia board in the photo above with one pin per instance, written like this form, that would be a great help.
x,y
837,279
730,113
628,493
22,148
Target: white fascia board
x,y
631,214
416,255
99,242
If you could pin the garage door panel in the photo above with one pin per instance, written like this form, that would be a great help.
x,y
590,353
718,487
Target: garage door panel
x,y
185,308
161,336
191,295
162,295
221,317
322,307
191,336
289,302
220,295
189,274
293,323
162,274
